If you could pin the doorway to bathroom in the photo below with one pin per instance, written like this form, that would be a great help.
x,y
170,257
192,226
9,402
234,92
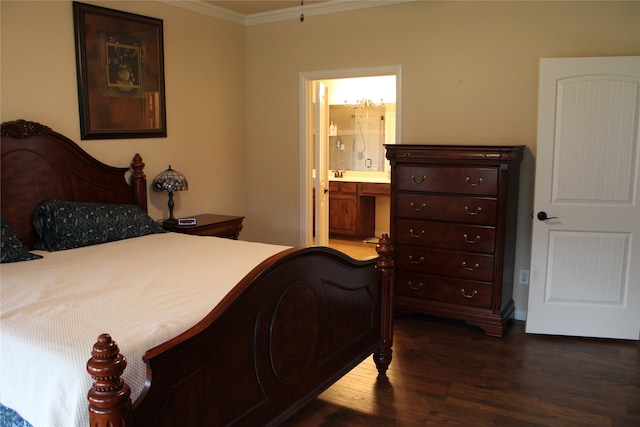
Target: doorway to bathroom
x,y
346,116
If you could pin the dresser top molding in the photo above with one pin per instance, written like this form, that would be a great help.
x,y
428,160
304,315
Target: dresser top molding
x,y
485,153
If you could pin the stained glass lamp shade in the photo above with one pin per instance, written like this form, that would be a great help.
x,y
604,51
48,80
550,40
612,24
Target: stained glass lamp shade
x,y
170,180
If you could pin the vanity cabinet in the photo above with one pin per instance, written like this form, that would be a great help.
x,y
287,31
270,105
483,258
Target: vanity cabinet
x,y
453,225
352,208
349,215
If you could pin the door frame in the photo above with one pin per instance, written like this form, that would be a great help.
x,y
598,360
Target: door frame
x,y
321,181
307,80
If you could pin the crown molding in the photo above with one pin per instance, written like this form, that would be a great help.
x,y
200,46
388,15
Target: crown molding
x,y
199,6
290,13
317,9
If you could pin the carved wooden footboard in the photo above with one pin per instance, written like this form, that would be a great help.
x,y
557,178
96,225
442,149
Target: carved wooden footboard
x,y
291,328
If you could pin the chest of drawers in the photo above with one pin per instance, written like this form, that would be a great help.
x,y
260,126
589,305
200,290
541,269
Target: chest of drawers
x,y
453,224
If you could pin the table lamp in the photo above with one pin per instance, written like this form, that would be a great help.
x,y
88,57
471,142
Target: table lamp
x,y
170,180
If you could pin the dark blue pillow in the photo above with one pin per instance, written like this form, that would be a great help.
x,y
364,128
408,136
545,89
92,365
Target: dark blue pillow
x,y
11,248
66,225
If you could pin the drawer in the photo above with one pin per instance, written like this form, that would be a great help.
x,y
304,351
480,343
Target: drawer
x,y
220,230
471,210
343,187
455,291
457,180
462,265
375,189
442,235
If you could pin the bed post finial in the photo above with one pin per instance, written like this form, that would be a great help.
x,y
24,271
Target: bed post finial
x,y
139,182
109,397
137,165
385,268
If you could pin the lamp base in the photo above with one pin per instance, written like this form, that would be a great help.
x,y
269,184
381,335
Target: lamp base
x,y
170,221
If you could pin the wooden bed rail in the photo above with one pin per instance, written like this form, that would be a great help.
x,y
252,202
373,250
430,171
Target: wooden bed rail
x,y
109,399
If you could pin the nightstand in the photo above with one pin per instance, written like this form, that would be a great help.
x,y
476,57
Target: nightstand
x,y
211,225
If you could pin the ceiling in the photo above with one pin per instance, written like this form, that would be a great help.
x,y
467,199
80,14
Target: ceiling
x,y
259,6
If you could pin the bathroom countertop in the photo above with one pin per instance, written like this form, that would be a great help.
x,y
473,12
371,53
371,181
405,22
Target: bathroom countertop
x,y
378,180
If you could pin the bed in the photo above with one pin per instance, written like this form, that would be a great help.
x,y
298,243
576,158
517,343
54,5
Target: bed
x,y
265,329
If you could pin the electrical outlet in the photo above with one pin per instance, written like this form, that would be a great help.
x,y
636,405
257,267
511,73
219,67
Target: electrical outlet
x,y
524,277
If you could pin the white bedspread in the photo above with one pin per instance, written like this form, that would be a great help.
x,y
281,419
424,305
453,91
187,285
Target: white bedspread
x,y
142,291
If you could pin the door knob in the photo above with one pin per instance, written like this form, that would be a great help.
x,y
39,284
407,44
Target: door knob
x,y
326,190
542,216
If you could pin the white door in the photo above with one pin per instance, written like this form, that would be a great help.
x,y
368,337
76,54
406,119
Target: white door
x,y
585,257
321,184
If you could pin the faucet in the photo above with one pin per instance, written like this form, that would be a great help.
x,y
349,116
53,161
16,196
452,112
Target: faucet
x,y
338,173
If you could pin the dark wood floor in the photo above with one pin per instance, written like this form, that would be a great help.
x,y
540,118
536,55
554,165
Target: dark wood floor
x,y
445,373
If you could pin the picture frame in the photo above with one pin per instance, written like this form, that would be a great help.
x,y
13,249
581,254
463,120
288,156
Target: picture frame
x,y
120,70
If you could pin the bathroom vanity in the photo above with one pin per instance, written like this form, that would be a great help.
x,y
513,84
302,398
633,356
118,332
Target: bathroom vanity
x,y
352,207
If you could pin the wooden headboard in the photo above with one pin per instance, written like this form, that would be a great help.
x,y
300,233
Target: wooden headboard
x,y
39,164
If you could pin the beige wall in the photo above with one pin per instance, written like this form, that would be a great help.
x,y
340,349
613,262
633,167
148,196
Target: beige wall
x,y
470,76
470,72
204,72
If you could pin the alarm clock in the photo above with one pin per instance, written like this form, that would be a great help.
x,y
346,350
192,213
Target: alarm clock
x,y
186,221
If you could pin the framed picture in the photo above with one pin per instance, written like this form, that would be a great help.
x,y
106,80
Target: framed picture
x,y
120,67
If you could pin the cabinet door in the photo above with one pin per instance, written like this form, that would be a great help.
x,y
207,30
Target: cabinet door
x,y
343,214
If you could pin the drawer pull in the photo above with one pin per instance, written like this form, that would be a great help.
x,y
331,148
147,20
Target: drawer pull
x,y
414,235
418,209
419,261
464,294
466,239
474,268
415,287
423,179
478,210
474,184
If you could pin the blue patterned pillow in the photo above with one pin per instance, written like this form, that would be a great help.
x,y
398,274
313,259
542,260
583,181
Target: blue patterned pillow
x,y
11,248
67,225
10,418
